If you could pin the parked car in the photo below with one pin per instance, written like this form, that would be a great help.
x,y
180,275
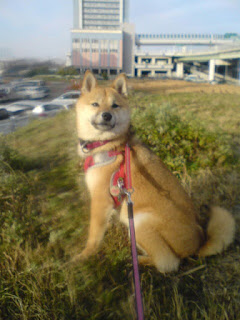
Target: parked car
x,y
23,107
25,92
36,83
50,108
69,97
29,83
3,93
27,89
4,114
194,78
217,81
7,93
33,83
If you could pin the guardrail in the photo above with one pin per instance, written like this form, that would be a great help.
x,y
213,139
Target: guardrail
x,y
187,36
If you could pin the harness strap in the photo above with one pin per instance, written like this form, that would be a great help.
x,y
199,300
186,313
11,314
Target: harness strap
x,y
89,162
90,145
118,175
128,168
115,191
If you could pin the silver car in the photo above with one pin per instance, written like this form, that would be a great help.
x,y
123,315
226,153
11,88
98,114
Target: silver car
x,y
68,97
50,108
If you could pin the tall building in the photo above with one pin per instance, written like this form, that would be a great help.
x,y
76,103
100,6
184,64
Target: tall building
x,y
100,30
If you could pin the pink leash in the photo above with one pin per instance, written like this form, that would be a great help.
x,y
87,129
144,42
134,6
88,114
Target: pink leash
x,y
128,191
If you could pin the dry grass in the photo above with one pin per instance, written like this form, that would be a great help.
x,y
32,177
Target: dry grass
x,y
177,86
44,221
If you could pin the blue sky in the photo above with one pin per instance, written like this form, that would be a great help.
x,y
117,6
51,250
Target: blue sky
x,y
41,28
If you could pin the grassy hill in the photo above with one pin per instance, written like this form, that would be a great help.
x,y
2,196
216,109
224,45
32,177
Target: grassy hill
x,y
44,219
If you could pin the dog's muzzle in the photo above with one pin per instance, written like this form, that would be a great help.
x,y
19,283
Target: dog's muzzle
x,y
106,116
104,121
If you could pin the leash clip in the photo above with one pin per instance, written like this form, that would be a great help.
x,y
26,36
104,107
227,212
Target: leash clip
x,y
123,190
83,147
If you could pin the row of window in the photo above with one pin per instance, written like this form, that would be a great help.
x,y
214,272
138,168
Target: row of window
x,y
101,17
100,5
101,10
102,1
102,27
112,43
100,23
100,51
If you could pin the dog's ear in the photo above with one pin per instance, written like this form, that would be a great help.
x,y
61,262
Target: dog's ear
x,y
89,82
120,84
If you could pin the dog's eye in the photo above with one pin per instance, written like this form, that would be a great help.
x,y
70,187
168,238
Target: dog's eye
x,y
95,104
115,105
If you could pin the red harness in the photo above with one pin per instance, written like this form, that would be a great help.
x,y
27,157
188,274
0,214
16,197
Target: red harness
x,y
118,176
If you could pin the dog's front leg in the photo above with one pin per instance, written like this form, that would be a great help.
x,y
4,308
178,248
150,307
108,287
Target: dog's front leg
x,y
100,211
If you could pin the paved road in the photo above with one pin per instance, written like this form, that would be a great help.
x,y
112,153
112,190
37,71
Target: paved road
x,y
10,125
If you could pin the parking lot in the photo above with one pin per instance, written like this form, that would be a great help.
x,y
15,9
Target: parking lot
x,y
11,124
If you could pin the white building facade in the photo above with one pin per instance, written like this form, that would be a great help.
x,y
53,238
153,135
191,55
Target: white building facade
x,y
100,29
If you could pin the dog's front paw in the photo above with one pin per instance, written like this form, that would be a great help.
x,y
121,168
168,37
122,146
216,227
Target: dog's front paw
x,y
83,256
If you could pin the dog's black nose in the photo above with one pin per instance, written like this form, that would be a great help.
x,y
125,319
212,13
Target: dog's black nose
x,y
106,116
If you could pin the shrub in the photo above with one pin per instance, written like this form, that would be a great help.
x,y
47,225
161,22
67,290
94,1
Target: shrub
x,y
180,143
67,71
105,75
38,71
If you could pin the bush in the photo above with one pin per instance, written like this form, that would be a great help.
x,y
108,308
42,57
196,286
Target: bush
x,y
105,75
180,143
38,71
69,71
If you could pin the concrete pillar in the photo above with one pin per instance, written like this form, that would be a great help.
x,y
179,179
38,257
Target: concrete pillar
x,y
180,70
139,73
152,73
211,73
169,73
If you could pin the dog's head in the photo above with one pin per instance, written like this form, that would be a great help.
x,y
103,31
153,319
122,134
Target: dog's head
x,y
102,113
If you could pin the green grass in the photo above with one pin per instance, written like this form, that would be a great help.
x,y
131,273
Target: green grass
x,y
44,218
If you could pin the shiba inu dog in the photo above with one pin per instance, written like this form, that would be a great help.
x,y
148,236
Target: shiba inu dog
x,y
167,226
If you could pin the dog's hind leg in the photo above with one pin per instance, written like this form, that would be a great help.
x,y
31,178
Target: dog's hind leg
x,y
158,252
145,260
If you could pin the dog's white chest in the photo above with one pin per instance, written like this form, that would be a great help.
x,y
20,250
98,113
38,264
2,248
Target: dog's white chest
x,y
98,160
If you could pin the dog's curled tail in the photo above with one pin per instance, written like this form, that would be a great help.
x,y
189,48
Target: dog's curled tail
x,y
220,232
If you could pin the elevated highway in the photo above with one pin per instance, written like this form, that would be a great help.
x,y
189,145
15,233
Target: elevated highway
x,y
223,54
173,64
184,39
